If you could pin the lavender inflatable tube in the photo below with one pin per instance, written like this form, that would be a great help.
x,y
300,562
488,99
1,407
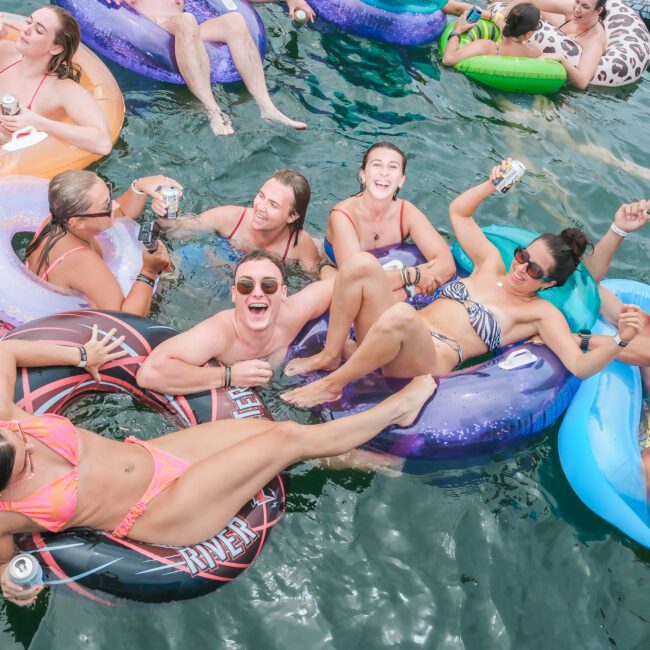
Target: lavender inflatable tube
x,y
23,295
135,42
394,21
475,411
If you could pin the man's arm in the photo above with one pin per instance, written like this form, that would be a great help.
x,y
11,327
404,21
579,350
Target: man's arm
x,y
310,302
177,366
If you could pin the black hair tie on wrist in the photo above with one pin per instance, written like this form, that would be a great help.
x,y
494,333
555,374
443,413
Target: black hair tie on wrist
x,y
227,376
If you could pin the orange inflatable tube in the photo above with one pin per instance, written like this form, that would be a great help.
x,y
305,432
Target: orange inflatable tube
x,y
52,155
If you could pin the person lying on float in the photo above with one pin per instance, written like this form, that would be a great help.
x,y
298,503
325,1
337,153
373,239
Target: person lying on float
x,y
520,24
38,70
192,57
492,308
54,476
275,223
65,250
582,21
374,217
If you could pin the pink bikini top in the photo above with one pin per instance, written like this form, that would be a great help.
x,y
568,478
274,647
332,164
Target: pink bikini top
x,y
53,505
31,101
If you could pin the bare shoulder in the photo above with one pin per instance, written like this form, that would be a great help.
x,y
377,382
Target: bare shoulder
x,y
222,218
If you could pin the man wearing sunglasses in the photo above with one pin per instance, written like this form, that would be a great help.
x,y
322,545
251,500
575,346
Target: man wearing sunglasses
x,y
249,340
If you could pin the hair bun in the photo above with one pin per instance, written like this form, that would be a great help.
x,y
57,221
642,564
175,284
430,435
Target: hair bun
x,y
576,241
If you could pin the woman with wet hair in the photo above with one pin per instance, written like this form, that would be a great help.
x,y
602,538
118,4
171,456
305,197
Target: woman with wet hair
x,y
38,70
376,217
65,250
520,25
582,21
490,309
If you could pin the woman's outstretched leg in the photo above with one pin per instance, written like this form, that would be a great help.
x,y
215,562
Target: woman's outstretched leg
x,y
399,342
361,295
212,491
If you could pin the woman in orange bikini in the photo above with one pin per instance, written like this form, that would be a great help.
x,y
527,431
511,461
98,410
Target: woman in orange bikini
x,y
275,223
38,70
375,217
55,476
65,250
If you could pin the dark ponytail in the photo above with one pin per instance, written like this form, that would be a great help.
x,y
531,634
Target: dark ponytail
x,y
7,459
567,250
600,4
523,18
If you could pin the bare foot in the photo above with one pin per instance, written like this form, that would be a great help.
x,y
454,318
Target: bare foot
x,y
220,123
410,400
320,361
312,394
349,348
272,114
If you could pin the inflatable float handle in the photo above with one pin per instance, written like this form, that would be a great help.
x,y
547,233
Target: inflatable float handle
x,y
24,138
517,359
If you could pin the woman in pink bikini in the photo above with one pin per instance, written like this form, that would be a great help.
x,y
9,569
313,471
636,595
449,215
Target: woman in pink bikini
x,y
375,217
65,250
275,223
55,476
38,70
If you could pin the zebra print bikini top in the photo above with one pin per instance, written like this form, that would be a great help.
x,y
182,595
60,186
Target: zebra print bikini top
x,y
481,319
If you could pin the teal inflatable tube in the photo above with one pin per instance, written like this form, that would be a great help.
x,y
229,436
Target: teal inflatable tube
x,y
598,441
578,299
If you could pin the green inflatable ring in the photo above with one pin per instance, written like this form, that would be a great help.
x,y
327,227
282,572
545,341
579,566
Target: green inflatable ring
x,y
512,74
578,299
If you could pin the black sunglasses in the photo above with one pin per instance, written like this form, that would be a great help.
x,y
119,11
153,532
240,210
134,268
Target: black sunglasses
x,y
246,285
533,269
106,213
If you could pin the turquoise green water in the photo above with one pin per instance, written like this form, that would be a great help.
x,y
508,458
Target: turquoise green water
x,y
500,554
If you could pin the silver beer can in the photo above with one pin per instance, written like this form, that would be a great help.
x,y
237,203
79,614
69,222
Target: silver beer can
x,y
9,105
171,196
25,570
300,17
512,175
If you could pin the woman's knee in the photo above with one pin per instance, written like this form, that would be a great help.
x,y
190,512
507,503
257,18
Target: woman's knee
x,y
362,265
397,319
289,438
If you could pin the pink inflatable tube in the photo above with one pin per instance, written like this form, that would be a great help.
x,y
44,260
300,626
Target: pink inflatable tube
x,y
23,295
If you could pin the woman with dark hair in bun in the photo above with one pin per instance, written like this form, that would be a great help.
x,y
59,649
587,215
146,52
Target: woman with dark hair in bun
x,y
519,26
582,21
490,309
39,71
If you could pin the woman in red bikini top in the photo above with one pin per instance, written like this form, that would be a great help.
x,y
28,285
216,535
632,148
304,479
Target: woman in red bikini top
x,y
55,476
275,223
65,250
38,70
375,217
582,21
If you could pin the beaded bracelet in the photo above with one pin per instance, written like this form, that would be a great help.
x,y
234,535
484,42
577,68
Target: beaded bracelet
x,y
417,276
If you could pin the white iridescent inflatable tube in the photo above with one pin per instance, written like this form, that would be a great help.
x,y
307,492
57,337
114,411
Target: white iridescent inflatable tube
x,y
23,295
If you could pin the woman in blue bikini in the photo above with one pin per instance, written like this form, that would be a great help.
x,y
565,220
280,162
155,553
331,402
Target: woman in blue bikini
x,y
491,308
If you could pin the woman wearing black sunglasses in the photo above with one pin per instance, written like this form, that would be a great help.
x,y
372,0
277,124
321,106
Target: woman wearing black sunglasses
x,y
65,250
492,308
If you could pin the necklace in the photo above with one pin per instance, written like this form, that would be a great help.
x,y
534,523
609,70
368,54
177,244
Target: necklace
x,y
375,236
499,284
